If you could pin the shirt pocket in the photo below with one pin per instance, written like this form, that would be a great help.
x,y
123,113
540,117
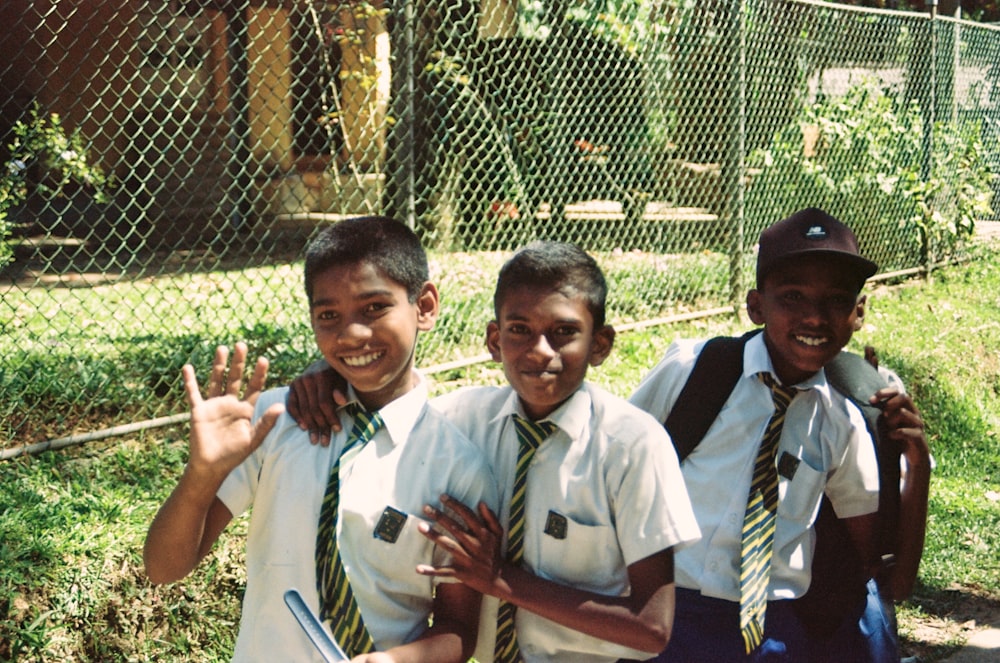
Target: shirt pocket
x,y
588,557
799,497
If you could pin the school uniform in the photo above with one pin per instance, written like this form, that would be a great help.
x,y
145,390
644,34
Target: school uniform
x,y
824,448
603,491
416,457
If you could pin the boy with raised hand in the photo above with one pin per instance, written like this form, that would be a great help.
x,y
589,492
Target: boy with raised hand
x,y
783,439
335,522
593,503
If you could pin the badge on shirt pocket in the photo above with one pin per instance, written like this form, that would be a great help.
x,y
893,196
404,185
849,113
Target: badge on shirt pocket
x,y
788,465
555,525
390,525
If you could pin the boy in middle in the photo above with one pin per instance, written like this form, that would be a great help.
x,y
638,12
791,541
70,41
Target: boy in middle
x,y
593,502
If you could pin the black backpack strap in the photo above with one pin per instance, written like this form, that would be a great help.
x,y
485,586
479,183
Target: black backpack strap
x,y
855,378
713,378
837,591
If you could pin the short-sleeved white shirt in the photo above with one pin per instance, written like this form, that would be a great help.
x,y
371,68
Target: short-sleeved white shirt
x,y
822,430
414,459
609,474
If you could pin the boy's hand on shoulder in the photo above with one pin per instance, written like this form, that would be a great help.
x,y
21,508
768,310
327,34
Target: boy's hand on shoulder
x,y
313,398
222,432
474,544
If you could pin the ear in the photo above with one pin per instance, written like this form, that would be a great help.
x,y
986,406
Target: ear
x,y
493,341
600,346
859,320
755,306
428,306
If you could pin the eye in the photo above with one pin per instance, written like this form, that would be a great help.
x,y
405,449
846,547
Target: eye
x,y
325,315
375,308
567,330
517,328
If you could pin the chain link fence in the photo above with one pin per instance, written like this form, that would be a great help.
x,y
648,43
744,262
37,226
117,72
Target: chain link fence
x,y
166,162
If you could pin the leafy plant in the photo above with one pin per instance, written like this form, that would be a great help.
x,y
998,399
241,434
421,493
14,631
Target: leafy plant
x,y
62,157
869,167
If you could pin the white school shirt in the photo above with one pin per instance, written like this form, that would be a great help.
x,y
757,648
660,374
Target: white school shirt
x,y
822,430
611,473
412,461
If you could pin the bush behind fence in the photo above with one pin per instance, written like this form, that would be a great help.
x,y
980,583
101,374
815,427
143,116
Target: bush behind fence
x,y
165,163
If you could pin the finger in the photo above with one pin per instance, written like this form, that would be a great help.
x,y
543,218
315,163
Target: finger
x,y
451,526
491,520
256,384
326,407
218,370
467,515
870,356
884,395
309,401
435,571
234,380
265,424
190,381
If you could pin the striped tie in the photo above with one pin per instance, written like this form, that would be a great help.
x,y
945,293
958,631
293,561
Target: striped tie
x,y
530,434
759,521
337,602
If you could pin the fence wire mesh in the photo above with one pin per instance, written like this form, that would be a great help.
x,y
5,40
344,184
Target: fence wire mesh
x,y
166,162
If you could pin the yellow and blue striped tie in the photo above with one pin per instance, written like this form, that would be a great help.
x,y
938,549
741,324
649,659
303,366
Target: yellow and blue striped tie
x,y
759,521
337,603
530,434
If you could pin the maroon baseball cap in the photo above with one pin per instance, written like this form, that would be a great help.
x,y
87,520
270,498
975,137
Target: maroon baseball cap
x,y
811,232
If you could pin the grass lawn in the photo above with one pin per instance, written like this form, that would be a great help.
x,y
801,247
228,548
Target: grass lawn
x,y
72,522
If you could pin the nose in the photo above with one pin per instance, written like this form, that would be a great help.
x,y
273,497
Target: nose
x,y
354,334
542,346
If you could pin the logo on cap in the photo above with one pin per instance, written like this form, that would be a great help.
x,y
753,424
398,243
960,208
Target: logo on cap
x,y
816,232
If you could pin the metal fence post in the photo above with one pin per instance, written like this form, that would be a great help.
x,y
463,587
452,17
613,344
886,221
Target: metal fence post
x,y
733,167
241,181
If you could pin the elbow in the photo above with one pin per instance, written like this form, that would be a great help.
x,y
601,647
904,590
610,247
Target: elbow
x,y
656,637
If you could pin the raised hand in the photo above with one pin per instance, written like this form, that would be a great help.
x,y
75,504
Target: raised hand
x,y
222,434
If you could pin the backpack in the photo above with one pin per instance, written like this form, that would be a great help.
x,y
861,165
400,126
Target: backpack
x,y
838,589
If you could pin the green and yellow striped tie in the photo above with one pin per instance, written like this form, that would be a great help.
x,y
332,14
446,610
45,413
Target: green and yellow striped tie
x,y
337,603
759,521
530,434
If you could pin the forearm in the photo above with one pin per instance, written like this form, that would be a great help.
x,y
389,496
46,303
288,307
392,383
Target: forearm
x,y
184,529
913,498
442,643
642,624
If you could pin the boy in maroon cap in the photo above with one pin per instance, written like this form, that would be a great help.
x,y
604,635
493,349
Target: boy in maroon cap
x,y
782,440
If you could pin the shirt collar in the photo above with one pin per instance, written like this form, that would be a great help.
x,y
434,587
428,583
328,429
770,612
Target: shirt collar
x,y
756,359
571,417
401,414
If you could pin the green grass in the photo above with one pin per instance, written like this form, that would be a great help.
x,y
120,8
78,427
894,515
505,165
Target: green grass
x,y
72,522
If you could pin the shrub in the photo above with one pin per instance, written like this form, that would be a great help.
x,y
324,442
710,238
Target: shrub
x,y
867,167
42,143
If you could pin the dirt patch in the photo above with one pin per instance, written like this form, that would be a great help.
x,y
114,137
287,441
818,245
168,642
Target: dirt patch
x,y
935,626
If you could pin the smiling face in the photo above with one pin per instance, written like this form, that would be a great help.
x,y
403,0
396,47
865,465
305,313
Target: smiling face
x,y
366,328
810,308
546,341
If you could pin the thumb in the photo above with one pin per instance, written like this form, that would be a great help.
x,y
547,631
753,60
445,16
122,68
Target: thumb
x,y
265,424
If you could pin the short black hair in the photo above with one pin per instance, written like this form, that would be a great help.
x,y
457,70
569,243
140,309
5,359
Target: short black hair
x,y
560,266
388,244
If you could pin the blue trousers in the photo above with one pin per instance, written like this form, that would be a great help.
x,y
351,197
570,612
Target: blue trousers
x,y
707,630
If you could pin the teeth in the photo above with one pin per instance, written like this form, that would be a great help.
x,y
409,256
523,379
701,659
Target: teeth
x,y
363,360
810,340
